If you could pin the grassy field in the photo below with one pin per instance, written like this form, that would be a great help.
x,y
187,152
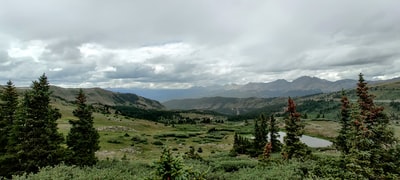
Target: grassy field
x,y
143,140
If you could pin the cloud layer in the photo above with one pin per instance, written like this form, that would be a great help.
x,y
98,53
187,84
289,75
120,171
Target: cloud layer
x,y
179,44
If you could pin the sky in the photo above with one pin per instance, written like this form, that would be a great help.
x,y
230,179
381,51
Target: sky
x,y
178,44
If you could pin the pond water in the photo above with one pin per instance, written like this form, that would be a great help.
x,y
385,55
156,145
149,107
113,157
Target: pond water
x,y
310,141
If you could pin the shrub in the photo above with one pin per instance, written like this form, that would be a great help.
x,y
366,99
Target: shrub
x,y
139,139
114,141
158,143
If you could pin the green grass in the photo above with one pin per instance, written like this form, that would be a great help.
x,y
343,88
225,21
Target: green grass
x,y
136,139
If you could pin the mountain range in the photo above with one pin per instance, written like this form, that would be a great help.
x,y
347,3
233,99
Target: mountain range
x,y
302,86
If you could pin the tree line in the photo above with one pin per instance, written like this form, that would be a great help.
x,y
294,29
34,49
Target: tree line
x,y
29,135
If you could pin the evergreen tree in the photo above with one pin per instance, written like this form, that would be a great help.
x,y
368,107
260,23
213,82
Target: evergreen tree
x,y
260,134
293,147
9,103
257,134
372,140
170,167
35,140
276,145
9,100
241,145
83,138
264,130
342,140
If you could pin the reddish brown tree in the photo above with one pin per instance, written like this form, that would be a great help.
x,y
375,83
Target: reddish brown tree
x,y
293,147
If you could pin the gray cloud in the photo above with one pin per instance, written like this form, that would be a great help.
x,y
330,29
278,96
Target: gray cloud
x,y
161,43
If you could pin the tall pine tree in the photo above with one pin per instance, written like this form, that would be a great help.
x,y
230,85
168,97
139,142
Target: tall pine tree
x,y
260,135
9,103
293,147
34,138
372,140
276,145
342,140
83,138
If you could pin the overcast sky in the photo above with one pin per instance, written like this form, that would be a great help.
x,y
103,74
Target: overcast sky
x,y
184,43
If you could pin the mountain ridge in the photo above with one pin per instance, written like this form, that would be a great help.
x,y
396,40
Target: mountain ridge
x,y
302,86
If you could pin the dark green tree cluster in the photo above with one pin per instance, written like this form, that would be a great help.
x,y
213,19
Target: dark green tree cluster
x,y
29,134
265,131
293,147
35,141
367,143
241,145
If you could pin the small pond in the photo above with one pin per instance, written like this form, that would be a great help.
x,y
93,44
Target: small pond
x,y
310,141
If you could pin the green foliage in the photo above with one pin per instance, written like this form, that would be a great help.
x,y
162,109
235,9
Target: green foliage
x,y
233,165
372,142
171,167
35,140
158,143
9,103
260,133
119,170
241,145
322,108
192,154
83,138
342,143
139,139
293,147
149,114
273,129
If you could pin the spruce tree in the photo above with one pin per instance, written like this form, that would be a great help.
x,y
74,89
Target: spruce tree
x,y
276,145
260,134
170,167
257,134
342,140
372,140
293,147
34,138
9,103
83,138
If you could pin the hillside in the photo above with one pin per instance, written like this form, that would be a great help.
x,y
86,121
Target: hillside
x,y
100,96
233,106
104,97
324,104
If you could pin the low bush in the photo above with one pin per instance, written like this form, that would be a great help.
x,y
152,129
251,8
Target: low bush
x,y
139,139
114,141
103,170
158,143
